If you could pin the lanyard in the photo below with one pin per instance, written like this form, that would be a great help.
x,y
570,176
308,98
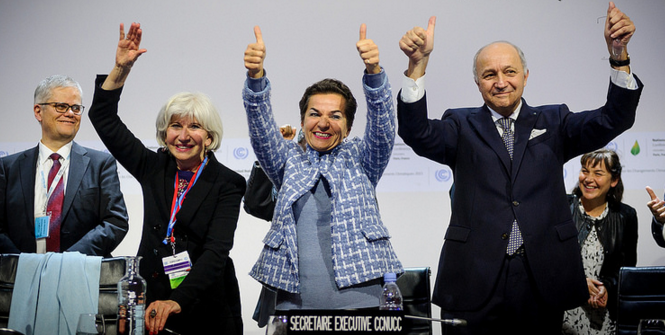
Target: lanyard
x,y
177,202
54,183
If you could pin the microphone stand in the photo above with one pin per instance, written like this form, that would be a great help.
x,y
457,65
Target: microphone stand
x,y
452,322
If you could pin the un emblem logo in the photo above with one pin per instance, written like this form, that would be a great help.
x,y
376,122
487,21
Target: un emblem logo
x,y
240,153
442,175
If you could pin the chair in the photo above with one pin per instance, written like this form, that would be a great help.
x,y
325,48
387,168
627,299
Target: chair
x,y
111,271
414,284
641,296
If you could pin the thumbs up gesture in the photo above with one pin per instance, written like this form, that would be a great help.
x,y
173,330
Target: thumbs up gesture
x,y
657,206
417,44
369,52
255,54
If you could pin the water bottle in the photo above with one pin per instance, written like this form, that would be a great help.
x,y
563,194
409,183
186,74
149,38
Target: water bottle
x,y
131,299
391,297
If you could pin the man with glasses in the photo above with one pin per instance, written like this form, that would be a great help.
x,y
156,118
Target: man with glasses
x,y
60,196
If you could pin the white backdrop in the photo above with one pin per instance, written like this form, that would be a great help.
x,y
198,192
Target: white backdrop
x,y
199,45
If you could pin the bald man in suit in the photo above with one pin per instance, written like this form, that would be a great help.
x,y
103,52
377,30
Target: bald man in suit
x,y
510,262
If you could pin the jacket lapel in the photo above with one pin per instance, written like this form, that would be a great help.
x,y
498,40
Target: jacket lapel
x,y
523,126
28,169
78,164
481,120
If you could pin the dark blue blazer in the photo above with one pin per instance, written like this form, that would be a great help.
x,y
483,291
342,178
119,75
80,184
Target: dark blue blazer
x,y
657,231
94,215
491,191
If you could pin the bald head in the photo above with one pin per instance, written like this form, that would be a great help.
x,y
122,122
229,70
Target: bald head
x,y
501,76
495,44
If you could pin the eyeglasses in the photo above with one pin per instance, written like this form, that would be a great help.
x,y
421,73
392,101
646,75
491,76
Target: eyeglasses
x,y
62,107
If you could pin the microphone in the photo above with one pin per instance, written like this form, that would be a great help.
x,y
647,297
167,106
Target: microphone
x,y
452,322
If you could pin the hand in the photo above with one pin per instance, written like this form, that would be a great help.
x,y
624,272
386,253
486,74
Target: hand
x,y
127,53
417,44
255,54
162,308
597,293
369,51
618,31
288,132
657,206
128,47
600,299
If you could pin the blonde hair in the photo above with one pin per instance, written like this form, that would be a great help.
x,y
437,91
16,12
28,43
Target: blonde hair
x,y
197,106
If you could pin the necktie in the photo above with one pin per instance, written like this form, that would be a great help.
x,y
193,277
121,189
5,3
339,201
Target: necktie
x,y
508,140
54,206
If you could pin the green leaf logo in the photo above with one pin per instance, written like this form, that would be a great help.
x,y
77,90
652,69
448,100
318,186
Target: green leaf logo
x,y
635,150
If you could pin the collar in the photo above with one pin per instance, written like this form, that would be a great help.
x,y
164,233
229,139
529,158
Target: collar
x,y
496,116
589,217
45,152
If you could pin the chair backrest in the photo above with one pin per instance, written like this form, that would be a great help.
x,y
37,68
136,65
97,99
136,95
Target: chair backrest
x,y
110,273
641,296
414,284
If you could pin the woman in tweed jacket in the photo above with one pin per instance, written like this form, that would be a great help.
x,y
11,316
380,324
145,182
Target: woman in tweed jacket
x,y
327,247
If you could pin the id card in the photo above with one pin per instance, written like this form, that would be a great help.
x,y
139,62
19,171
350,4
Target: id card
x,y
177,267
41,226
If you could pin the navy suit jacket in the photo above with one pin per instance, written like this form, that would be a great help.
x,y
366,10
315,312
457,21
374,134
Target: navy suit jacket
x,y
657,231
94,214
491,191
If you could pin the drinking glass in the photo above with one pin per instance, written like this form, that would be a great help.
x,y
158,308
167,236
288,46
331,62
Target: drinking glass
x,y
90,324
651,327
277,325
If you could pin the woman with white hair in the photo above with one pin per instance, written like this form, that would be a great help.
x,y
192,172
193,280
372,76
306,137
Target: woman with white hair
x,y
191,203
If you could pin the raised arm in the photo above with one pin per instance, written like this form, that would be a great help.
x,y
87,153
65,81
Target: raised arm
x,y
618,31
127,53
255,54
417,44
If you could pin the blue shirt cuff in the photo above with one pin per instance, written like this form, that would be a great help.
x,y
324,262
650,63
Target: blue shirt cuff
x,y
375,80
257,84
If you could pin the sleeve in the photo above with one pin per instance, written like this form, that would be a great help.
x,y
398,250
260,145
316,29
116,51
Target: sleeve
x,y
623,79
589,130
430,138
657,232
270,148
115,135
412,90
113,225
6,244
258,200
379,138
627,256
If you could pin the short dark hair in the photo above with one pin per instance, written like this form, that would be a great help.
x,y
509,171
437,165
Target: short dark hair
x,y
327,86
613,165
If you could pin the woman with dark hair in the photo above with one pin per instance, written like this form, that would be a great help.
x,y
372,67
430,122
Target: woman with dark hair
x,y
608,240
327,247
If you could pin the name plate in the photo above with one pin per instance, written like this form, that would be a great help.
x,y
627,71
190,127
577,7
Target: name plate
x,y
349,321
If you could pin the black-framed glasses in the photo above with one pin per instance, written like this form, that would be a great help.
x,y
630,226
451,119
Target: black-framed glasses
x,y
62,107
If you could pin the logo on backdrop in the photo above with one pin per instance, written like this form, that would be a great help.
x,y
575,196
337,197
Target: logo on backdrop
x,y
442,175
612,146
240,153
635,150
